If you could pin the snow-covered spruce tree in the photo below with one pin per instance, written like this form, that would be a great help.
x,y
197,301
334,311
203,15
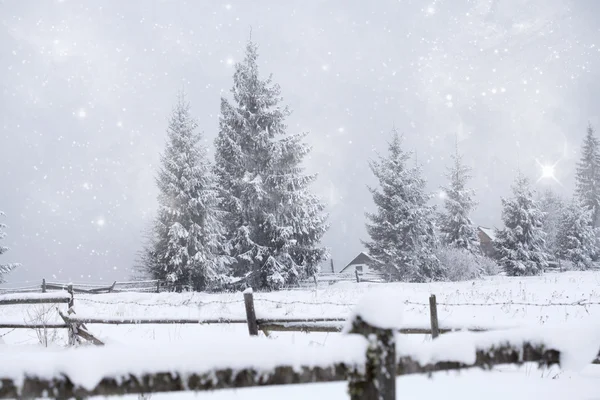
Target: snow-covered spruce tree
x,y
551,206
4,268
274,223
402,230
520,244
588,175
576,238
186,244
456,228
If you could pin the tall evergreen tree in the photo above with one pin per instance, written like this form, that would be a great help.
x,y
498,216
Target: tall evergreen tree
x,y
185,244
576,238
4,268
274,224
457,229
520,244
551,206
402,230
588,175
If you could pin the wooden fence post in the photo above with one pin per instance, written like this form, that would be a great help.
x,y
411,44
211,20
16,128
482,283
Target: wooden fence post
x,y
72,301
379,378
332,267
250,313
435,329
44,285
158,286
357,277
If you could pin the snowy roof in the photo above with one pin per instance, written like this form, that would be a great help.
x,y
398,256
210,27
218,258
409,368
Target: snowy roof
x,y
361,258
489,232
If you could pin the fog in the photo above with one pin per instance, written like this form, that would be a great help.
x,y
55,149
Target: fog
x,y
86,90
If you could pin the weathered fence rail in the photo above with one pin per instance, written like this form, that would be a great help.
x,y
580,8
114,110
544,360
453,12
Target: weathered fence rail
x,y
13,299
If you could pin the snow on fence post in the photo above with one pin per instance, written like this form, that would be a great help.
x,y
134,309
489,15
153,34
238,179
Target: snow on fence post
x,y
435,329
44,285
70,291
378,379
250,313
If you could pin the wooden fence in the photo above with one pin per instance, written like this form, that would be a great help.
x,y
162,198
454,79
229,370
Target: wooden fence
x,y
156,286
376,359
276,324
333,324
91,288
76,330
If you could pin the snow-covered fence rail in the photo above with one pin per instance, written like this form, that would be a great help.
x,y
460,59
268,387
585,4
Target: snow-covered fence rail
x,y
369,356
153,286
34,298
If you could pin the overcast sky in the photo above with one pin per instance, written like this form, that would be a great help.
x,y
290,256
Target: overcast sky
x,y
86,89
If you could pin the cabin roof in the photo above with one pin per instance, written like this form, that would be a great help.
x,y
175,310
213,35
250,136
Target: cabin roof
x,y
361,258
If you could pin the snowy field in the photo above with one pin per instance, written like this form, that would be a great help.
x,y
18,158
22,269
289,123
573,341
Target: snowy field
x,y
499,302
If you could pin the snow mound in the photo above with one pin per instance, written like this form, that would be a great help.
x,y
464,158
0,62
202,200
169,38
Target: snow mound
x,y
381,308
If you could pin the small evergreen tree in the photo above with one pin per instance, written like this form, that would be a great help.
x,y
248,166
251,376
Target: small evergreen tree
x,y
4,268
457,229
274,223
402,230
520,244
185,245
576,238
588,175
551,205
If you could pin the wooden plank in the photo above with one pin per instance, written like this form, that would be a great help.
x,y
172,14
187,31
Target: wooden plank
x,y
332,327
435,330
250,313
290,320
75,289
106,289
19,325
62,387
298,327
486,358
89,337
150,321
33,300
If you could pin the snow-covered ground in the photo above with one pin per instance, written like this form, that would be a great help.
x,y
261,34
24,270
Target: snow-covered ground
x,y
567,298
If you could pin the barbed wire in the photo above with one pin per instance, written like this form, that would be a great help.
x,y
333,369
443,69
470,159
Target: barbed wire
x,y
581,303
6,333
162,304
326,303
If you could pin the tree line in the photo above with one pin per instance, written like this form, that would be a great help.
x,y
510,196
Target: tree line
x,y
249,216
409,241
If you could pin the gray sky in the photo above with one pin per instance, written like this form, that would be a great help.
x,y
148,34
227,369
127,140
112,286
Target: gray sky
x,y
86,90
